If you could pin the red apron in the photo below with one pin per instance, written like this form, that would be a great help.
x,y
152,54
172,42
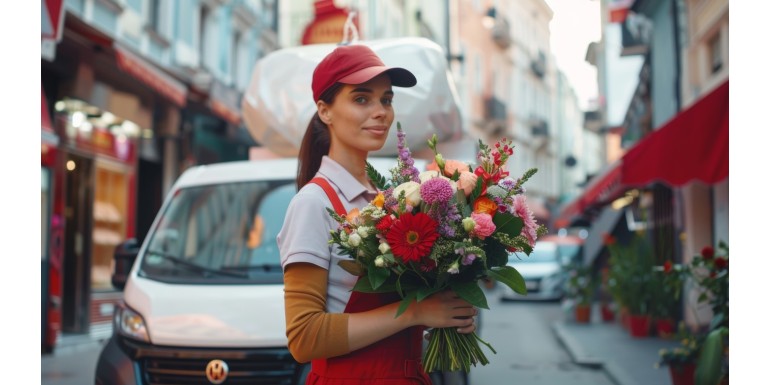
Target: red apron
x,y
395,360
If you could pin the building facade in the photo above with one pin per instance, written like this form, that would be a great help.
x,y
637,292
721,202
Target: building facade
x,y
135,91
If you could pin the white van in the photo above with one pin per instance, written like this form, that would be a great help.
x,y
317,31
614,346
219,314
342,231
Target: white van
x,y
203,295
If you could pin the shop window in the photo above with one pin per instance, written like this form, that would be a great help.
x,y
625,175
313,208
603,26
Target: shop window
x,y
715,53
109,229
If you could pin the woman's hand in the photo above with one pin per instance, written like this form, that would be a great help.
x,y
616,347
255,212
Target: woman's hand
x,y
445,309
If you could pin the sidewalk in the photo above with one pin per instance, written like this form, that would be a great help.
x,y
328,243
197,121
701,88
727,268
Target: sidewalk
x,y
73,361
625,359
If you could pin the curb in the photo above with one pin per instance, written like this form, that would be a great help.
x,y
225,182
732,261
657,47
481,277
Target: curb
x,y
579,356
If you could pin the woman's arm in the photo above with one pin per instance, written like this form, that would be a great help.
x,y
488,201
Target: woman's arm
x,y
313,333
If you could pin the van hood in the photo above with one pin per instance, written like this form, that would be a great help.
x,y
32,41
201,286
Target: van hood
x,y
209,315
536,270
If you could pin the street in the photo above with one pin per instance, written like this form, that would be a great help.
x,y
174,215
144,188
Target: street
x,y
528,352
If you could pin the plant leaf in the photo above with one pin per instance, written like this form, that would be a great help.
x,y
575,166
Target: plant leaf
x,y
405,303
708,370
379,181
471,292
510,277
497,254
377,276
352,267
508,223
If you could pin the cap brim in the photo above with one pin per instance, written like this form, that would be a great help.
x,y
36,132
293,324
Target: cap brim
x,y
399,77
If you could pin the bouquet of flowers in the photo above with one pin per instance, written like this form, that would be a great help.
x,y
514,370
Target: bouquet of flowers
x,y
445,228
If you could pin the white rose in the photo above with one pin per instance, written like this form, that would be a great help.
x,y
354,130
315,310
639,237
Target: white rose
x,y
354,239
363,231
427,175
411,191
379,261
384,247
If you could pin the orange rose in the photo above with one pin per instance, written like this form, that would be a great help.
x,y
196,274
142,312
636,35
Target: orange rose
x,y
485,205
379,200
450,166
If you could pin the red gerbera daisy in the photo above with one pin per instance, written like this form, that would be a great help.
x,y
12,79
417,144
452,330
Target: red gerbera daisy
x,y
384,224
411,236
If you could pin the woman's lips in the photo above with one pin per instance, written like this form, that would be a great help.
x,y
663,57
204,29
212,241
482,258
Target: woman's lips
x,y
379,130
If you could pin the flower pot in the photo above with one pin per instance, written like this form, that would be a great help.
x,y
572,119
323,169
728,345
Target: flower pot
x,y
664,327
682,374
639,325
582,313
607,314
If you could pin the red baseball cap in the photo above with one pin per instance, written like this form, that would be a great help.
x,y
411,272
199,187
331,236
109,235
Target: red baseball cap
x,y
355,64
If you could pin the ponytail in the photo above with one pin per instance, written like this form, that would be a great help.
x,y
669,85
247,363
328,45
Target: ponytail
x,y
316,142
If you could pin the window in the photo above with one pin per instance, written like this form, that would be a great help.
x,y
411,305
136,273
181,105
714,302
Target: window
x,y
715,53
153,15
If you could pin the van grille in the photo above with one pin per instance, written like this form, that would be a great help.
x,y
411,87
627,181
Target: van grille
x,y
187,371
185,366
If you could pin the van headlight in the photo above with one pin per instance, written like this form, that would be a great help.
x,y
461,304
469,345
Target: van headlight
x,y
130,324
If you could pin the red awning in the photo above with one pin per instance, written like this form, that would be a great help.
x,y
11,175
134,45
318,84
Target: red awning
x,y
603,187
694,145
165,84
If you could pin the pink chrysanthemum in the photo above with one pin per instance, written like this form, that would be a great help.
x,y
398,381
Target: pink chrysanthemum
x,y
521,210
436,190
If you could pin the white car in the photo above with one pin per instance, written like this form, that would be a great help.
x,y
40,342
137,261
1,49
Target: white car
x,y
543,271
203,295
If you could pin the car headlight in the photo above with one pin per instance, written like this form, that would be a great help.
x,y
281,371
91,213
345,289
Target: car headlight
x,y
130,324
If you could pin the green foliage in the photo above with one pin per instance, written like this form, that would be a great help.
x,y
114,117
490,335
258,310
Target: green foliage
x,y
630,274
581,284
379,181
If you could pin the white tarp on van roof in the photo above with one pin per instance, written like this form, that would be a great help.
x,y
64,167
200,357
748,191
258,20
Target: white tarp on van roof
x,y
278,102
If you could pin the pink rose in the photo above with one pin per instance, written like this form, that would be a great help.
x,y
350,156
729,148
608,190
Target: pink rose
x,y
484,225
467,182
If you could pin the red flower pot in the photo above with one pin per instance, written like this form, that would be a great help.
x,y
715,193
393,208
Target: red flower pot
x,y
682,374
639,325
664,327
607,314
582,313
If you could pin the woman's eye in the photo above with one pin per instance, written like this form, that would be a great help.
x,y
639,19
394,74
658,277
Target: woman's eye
x,y
387,102
360,99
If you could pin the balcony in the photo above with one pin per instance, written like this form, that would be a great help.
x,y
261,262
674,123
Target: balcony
x,y
495,116
539,127
500,28
538,65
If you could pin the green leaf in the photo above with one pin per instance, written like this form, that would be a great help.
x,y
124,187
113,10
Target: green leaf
x,y
510,277
405,303
471,292
508,223
425,292
377,276
379,181
497,254
708,370
364,285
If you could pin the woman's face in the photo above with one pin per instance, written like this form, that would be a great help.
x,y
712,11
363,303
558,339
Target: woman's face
x,y
360,116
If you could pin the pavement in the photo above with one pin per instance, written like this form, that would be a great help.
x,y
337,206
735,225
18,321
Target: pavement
x,y
608,345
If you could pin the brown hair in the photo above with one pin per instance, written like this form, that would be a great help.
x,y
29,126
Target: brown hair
x,y
315,142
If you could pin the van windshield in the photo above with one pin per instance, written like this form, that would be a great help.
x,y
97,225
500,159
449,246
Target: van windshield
x,y
223,233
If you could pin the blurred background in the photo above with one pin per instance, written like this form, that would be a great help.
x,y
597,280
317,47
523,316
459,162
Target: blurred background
x,y
622,106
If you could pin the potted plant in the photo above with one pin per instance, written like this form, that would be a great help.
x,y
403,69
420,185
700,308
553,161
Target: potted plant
x,y
681,360
710,270
667,282
630,280
580,289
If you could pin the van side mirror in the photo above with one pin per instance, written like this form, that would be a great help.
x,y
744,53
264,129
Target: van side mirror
x,y
125,255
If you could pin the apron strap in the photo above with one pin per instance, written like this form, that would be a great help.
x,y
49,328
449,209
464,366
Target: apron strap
x,y
329,190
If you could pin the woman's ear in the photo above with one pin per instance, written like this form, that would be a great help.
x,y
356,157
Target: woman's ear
x,y
324,112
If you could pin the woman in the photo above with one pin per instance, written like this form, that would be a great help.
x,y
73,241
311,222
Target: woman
x,y
350,337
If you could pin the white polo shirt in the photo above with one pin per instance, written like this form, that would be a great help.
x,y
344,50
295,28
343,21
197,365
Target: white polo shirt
x,y
305,236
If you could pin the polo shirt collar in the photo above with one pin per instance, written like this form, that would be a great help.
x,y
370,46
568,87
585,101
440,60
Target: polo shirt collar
x,y
349,186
